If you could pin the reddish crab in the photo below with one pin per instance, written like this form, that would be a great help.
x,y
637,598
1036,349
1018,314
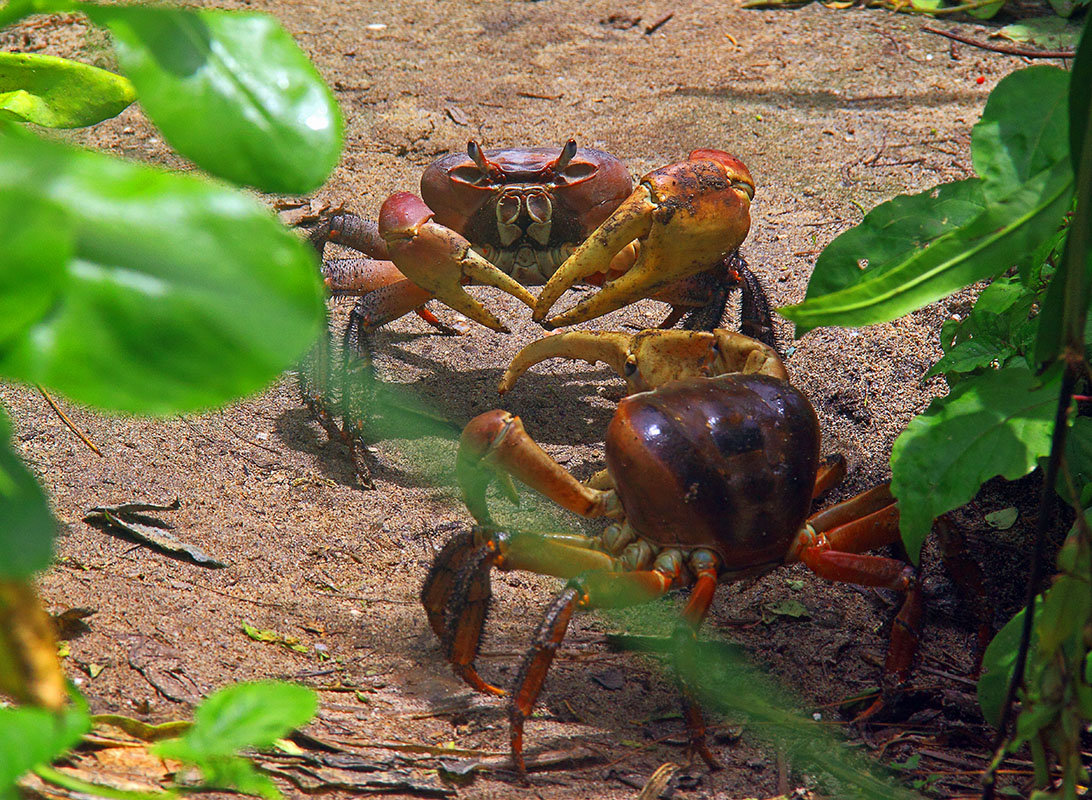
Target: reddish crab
x,y
708,480
530,216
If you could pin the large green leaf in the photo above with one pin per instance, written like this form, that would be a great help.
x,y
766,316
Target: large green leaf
x,y
1012,144
37,245
997,423
907,278
59,93
31,737
181,294
232,91
914,250
240,716
26,523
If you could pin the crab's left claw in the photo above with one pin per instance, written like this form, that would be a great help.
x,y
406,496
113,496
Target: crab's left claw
x,y
440,261
686,218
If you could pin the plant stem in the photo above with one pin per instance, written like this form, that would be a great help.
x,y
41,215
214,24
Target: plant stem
x,y
58,778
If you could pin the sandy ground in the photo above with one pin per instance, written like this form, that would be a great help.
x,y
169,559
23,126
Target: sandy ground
x,y
833,111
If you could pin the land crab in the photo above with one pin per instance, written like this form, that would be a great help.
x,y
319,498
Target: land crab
x,y
529,216
710,478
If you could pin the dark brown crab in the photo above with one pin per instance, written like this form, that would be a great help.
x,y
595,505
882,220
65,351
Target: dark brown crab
x,y
529,216
708,480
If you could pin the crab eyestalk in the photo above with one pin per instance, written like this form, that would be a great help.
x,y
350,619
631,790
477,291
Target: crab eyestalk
x,y
440,261
686,218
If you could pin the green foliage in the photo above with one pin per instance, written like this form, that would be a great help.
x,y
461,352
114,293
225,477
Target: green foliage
x,y
918,249
996,423
58,93
30,737
135,289
238,717
1011,364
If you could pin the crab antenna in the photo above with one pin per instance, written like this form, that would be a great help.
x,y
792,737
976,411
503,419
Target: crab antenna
x,y
477,155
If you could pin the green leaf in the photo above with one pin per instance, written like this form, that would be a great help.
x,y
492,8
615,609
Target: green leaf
x,y
59,93
1011,144
1066,608
997,423
988,11
26,523
1047,33
181,294
30,737
914,250
909,278
37,246
997,666
972,354
240,716
231,91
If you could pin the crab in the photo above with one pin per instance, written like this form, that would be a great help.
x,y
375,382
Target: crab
x,y
521,217
708,479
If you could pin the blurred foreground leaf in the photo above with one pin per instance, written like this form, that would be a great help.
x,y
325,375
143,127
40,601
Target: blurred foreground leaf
x,y
180,294
232,91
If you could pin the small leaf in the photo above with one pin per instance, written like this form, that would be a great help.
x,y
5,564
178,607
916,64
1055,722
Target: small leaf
x,y
26,536
41,735
1080,97
211,301
997,666
59,93
131,521
231,91
1047,33
246,715
997,423
94,670
1003,519
789,608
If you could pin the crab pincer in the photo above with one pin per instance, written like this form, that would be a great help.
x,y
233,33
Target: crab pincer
x,y
440,260
685,218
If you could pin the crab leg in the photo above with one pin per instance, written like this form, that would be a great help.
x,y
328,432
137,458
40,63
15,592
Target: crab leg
x,y
440,261
687,217
496,442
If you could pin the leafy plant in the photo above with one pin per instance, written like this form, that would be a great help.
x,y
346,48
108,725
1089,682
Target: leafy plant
x,y
1012,364
139,290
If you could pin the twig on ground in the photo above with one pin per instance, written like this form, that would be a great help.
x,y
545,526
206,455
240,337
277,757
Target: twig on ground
x,y
1001,48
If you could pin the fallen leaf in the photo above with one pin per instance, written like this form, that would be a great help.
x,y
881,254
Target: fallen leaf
x,y
1003,519
130,521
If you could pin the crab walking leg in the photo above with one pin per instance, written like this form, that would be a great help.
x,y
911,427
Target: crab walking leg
x,y
837,555
440,581
704,565
440,261
593,590
832,471
496,440
352,231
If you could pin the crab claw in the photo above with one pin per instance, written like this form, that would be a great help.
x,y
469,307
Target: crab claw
x,y
439,260
686,217
651,358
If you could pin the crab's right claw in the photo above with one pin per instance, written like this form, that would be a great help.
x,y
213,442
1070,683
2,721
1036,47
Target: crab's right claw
x,y
440,261
686,218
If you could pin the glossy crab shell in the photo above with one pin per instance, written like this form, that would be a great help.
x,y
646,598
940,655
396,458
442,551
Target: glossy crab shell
x,y
726,463
575,200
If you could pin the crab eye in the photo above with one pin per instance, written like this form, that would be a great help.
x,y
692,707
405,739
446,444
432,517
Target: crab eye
x,y
468,174
578,171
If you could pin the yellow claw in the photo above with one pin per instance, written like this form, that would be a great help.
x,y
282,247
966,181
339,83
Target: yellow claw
x,y
686,218
651,358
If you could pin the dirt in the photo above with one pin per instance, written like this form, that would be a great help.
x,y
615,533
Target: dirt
x,y
834,111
